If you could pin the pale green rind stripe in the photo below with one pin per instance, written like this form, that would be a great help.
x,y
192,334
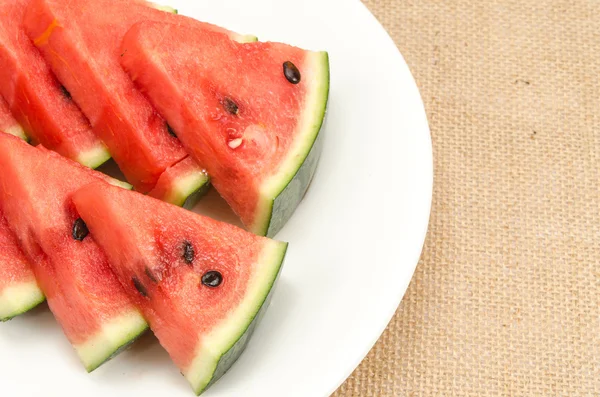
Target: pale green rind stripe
x,y
94,157
17,131
119,183
188,188
161,7
18,299
244,38
114,337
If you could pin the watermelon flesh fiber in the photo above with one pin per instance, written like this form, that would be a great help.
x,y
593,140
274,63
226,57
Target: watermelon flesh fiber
x,y
232,107
80,40
84,295
19,291
8,123
204,329
35,97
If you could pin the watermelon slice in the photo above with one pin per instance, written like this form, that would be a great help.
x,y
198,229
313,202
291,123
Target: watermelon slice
x,y
201,284
86,298
19,291
38,102
81,40
8,123
249,113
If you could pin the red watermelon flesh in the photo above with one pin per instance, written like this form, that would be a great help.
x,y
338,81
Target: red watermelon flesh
x,y
8,123
164,256
19,291
84,295
235,111
81,40
36,99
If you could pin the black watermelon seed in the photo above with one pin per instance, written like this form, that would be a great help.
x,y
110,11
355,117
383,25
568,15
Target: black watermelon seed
x,y
212,279
230,106
171,131
140,287
188,252
80,230
291,72
65,92
151,275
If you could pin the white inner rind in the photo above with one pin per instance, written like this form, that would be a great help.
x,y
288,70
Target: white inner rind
x,y
212,346
94,157
244,38
184,187
17,131
118,183
308,128
113,335
161,7
19,298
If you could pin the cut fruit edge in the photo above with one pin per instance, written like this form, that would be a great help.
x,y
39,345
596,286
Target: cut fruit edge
x,y
114,337
220,348
182,191
17,131
164,8
187,189
281,193
94,157
18,299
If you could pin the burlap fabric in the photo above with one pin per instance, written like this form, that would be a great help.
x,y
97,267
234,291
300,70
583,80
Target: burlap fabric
x,y
505,299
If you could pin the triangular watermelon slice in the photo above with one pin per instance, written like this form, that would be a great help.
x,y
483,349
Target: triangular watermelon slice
x,y
38,102
250,113
201,284
81,41
85,296
19,291
8,123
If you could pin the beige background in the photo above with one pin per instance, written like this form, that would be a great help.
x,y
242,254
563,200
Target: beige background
x,y
505,299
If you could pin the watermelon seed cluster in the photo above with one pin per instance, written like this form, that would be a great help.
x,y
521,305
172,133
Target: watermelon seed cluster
x,y
171,131
230,106
212,279
140,287
151,275
65,92
80,230
188,252
291,72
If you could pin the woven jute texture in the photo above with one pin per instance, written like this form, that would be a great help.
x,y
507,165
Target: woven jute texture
x,y
505,300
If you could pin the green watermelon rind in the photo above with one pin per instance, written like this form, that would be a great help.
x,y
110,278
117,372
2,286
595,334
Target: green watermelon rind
x,y
197,192
230,339
187,190
117,182
18,131
94,157
290,184
115,336
164,8
18,299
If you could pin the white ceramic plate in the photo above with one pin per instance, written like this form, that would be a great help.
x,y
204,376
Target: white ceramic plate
x,y
354,240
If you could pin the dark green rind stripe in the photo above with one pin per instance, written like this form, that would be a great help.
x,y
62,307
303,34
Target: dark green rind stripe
x,y
23,310
288,200
233,353
190,201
